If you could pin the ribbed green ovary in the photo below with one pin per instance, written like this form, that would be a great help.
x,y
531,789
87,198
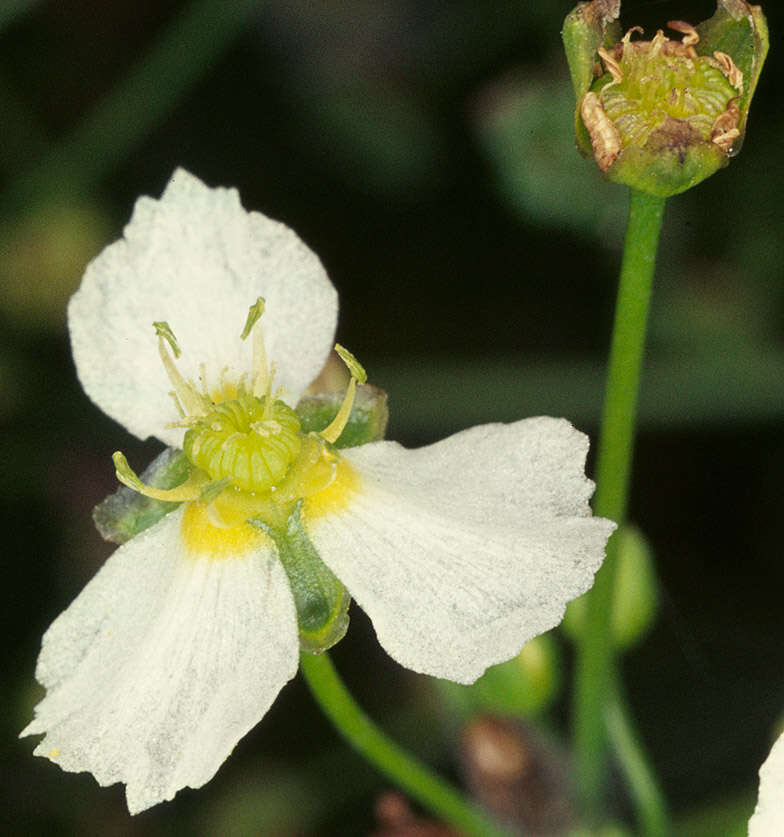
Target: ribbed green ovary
x,y
656,87
245,442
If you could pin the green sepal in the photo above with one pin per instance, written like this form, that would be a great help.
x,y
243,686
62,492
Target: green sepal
x,y
320,599
125,513
367,422
668,164
523,687
587,27
740,30
636,595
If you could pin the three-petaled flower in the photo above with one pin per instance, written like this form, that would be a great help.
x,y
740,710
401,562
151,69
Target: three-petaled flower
x,y
459,552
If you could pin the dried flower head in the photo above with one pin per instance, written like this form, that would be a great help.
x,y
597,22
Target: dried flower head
x,y
663,114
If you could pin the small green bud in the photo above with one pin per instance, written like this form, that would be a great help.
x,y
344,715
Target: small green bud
x,y
662,115
635,598
522,687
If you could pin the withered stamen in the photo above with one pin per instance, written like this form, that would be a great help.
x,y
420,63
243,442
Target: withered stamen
x,y
687,30
605,139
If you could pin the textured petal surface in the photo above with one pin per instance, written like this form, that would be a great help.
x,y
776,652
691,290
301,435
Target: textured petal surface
x,y
768,817
463,551
196,259
163,663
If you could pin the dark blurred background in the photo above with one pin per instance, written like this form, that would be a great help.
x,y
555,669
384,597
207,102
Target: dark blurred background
x,y
424,150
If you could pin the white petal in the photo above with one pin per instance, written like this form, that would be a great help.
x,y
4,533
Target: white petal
x,y
196,259
768,817
463,551
163,663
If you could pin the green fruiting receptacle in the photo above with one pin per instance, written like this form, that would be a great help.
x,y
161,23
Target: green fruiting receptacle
x,y
661,115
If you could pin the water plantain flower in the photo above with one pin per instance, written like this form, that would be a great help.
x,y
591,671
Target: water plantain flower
x,y
661,115
459,552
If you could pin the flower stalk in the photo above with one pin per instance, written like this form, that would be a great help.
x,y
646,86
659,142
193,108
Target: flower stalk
x,y
629,750
616,441
389,758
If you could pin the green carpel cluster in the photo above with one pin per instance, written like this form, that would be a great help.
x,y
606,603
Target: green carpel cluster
x,y
680,87
251,441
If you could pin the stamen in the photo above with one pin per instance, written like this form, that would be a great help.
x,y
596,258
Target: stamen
x,y
613,66
177,404
203,379
260,377
355,368
223,386
211,491
192,402
240,388
163,329
262,380
191,489
338,424
254,313
690,35
730,70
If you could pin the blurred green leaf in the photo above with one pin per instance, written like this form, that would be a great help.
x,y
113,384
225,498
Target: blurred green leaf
x,y
47,248
525,126
381,137
729,817
441,395
12,9
183,54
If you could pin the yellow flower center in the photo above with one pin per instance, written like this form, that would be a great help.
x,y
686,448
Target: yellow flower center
x,y
252,463
202,537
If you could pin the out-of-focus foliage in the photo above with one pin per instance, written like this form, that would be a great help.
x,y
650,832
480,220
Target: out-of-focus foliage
x,y
45,250
12,9
525,124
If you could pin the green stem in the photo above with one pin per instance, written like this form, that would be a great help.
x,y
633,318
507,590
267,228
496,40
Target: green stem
x,y
652,815
404,770
616,441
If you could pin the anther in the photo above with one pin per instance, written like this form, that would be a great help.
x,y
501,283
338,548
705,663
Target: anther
x,y
189,490
332,432
191,401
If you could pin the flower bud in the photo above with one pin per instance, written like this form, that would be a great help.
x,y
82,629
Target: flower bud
x,y
523,686
635,596
661,115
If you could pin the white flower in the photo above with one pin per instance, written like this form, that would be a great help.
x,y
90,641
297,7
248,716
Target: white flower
x,y
768,817
459,552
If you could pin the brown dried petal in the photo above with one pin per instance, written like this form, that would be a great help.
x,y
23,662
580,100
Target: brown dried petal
x,y
727,66
605,139
725,131
686,29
